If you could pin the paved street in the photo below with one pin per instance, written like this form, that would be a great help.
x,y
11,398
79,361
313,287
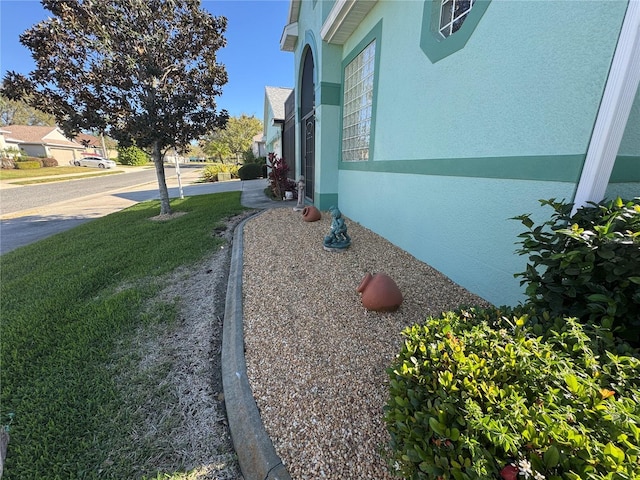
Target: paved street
x,y
26,226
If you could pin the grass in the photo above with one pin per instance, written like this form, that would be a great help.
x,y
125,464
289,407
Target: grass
x,y
53,174
61,178
11,174
68,302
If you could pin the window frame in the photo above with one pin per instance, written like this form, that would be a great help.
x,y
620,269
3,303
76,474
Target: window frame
x,y
375,35
432,42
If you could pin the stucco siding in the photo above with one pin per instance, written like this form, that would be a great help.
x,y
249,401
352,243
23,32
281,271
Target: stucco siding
x,y
503,94
461,145
625,178
627,190
460,226
630,144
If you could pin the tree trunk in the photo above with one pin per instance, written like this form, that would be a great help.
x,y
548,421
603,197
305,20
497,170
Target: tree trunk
x,y
165,207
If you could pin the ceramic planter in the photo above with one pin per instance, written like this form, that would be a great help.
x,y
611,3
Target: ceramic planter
x,y
311,214
380,293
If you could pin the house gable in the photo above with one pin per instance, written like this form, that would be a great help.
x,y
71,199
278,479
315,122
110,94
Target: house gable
x,y
42,141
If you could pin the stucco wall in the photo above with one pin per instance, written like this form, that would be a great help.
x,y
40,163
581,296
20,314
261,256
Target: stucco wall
x,y
463,144
523,85
630,144
626,172
460,226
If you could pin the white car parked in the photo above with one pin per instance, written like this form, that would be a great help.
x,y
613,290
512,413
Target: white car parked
x,y
97,162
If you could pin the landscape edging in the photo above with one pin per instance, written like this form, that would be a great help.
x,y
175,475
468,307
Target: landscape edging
x,y
256,454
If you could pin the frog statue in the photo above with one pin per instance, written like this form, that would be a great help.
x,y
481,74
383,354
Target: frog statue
x,y
338,239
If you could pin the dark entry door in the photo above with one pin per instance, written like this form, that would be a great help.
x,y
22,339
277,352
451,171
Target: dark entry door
x,y
308,124
308,154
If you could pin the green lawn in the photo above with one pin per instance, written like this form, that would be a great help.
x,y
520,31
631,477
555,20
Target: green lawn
x,y
7,174
50,174
66,302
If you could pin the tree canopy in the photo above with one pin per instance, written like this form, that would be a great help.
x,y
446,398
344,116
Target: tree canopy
x,y
235,138
17,112
142,71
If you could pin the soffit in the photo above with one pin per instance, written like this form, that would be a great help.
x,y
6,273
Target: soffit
x,y
344,18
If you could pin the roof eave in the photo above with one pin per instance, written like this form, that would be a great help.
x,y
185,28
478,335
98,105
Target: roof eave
x,y
344,18
294,10
289,37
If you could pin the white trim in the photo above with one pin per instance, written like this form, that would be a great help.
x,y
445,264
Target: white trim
x,y
344,18
289,37
294,11
619,94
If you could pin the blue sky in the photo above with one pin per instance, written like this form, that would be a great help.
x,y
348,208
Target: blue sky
x,y
252,55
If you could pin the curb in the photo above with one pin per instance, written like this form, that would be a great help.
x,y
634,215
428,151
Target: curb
x,y
256,454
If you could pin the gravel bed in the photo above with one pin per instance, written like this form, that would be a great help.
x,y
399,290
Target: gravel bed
x,y
316,358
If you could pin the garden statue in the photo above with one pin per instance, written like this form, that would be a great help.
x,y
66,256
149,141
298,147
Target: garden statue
x,y
300,206
338,239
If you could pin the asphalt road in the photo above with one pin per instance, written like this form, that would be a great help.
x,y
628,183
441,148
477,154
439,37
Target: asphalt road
x,y
17,199
33,212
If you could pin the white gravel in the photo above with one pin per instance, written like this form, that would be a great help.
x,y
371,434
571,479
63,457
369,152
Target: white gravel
x,y
316,359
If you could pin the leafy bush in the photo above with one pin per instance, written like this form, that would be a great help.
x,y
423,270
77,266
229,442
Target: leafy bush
x,y
12,152
132,155
487,394
248,156
586,265
49,162
278,179
28,165
210,173
250,171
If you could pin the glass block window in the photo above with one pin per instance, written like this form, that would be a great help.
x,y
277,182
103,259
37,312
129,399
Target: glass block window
x,y
452,14
357,105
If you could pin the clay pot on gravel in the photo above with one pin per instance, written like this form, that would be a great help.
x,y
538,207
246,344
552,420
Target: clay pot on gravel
x,y
380,293
311,214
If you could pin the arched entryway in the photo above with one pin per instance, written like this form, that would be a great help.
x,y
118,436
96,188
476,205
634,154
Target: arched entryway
x,y
307,124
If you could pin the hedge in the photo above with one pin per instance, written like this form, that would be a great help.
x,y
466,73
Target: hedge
x,y
28,165
478,394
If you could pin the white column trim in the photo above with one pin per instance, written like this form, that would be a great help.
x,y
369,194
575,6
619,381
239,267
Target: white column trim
x,y
619,93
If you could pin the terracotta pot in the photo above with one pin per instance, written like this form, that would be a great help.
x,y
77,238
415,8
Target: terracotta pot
x,y
380,293
311,214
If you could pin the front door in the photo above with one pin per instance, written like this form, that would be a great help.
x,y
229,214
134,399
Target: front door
x,y
308,156
308,125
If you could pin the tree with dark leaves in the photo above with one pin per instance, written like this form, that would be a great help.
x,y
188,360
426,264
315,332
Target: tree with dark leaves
x,y
142,71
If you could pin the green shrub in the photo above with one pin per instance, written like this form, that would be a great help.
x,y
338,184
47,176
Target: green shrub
x,y
477,392
248,156
250,171
49,162
28,165
132,155
210,173
587,264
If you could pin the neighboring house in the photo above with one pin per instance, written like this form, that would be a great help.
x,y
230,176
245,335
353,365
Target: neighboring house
x,y
275,117
41,141
172,156
435,127
258,146
3,144
94,146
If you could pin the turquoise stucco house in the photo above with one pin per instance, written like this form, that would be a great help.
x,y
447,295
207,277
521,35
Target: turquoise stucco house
x,y
433,122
